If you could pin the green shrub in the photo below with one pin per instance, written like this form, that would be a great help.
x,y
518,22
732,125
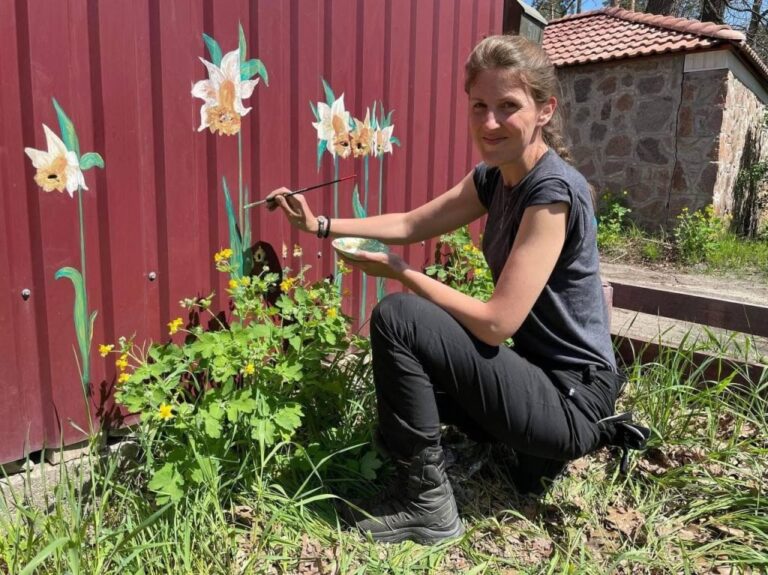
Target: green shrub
x,y
613,222
460,264
696,234
251,394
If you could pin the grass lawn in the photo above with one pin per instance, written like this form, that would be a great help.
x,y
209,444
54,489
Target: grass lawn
x,y
694,502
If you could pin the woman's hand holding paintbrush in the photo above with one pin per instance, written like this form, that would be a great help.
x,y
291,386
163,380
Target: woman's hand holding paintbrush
x,y
294,205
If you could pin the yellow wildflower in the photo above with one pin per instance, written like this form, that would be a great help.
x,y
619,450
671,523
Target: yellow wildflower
x,y
165,411
122,362
175,325
123,377
245,281
342,267
331,312
287,284
249,369
224,254
233,283
105,349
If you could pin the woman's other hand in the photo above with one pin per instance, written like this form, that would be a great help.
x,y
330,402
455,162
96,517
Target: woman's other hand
x,y
378,264
295,209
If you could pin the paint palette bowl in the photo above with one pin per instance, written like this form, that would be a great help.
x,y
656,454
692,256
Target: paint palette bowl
x,y
349,247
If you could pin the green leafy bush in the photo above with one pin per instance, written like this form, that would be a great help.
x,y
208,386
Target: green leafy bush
x,y
460,264
696,234
249,393
613,222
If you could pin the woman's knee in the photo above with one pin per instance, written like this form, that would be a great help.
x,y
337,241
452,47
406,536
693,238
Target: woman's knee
x,y
396,307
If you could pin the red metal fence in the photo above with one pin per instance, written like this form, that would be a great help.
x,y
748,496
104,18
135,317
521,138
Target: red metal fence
x,y
122,70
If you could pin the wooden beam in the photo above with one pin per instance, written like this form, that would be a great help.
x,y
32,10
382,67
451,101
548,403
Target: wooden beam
x,y
748,373
726,314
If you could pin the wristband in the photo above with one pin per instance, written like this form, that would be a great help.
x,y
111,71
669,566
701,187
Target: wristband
x,y
322,226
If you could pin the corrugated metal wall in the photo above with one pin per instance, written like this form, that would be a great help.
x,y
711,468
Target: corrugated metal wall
x,y
123,70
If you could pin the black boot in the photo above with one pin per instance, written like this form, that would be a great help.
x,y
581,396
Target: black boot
x,y
421,506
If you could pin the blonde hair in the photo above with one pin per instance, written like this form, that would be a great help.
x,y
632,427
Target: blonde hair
x,y
534,70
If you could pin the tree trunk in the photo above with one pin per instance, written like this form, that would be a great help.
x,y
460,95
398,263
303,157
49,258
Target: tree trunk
x,y
712,11
663,7
754,22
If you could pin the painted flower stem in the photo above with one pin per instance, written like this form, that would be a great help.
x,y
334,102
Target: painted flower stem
x,y
241,196
364,295
82,234
336,215
380,281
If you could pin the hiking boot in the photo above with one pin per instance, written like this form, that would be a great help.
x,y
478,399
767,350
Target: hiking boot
x,y
419,506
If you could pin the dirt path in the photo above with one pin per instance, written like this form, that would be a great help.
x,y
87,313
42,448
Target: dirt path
x,y
753,291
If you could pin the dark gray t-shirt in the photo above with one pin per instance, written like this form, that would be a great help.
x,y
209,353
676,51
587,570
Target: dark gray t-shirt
x,y
568,325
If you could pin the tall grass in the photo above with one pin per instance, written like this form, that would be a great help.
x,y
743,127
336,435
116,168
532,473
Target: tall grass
x,y
694,501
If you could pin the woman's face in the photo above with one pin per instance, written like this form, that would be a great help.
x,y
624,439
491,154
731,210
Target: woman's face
x,y
505,122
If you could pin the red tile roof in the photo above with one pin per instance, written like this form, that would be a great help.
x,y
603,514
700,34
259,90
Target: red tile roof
x,y
615,33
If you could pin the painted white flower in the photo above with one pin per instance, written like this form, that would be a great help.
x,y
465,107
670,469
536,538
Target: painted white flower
x,y
362,136
223,93
333,127
58,168
383,140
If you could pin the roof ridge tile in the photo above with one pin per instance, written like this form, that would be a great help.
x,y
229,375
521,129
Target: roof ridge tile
x,y
685,25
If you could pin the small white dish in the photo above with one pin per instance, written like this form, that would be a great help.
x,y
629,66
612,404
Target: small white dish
x,y
349,246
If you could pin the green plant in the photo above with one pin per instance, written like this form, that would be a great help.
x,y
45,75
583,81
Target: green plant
x,y
460,264
696,234
267,378
613,222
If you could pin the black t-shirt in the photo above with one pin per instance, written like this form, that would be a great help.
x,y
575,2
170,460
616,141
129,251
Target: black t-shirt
x,y
568,325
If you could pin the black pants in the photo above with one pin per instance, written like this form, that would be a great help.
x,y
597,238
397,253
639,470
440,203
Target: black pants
x,y
429,369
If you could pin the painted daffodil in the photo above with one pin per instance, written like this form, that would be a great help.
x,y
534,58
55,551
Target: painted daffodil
x,y
58,168
362,136
383,140
333,127
223,93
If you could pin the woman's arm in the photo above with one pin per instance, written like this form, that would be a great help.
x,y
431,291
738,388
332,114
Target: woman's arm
x,y
533,256
452,209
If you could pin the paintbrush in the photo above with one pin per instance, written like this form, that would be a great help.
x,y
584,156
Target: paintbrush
x,y
272,199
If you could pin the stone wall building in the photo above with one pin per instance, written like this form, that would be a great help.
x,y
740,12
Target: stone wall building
x,y
667,109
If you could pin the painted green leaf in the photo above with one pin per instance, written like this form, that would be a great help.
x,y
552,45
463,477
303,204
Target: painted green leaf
x,y
356,205
388,119
242,45
395,141
90,160
322,145
213,49
83,324
252,68
68,134
235,241
329,97
314,111
380,289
